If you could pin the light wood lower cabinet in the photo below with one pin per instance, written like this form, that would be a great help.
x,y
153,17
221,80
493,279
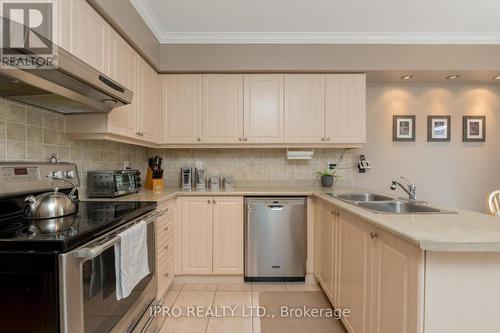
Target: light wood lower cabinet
x,y
354,272
378,276
227,224
326,253
212,235
197,235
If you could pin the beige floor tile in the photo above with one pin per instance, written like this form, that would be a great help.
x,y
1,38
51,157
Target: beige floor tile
x,y
202,299
200,286
170,297
268,286
301,286
230,325
235,286
239,302
176,286
184,325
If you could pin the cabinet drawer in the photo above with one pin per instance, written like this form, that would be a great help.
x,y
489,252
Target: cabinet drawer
x,y
165,246
165,229
165,275
168,208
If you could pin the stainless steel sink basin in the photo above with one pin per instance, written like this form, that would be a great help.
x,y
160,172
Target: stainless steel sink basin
x,y
360,197
382,204
400,207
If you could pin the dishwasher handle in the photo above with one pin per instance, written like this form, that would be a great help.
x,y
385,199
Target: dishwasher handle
x,y
275,207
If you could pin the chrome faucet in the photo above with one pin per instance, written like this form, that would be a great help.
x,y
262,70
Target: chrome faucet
x,y
410,189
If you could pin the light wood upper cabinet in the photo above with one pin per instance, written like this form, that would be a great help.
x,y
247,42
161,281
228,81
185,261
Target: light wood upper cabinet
x,y
396,285
124,70
149,102
88,34
182,108
227,217
304,108
345,108
264,108
223,108
197,235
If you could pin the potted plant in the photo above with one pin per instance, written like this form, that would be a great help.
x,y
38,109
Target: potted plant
x,y
327,177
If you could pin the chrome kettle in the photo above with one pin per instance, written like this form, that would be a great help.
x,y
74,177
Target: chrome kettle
x,y
50,205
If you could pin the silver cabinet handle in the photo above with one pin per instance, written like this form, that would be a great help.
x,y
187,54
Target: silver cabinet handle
x,y
246,139
208,201
240,139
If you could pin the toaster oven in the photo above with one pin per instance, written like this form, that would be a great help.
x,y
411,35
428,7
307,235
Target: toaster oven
x,y
112,183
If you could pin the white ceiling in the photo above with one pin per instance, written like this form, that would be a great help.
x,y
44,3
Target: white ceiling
x,y
323,21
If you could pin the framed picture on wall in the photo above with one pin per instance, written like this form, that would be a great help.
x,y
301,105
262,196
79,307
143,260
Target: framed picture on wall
x,y
403,128
438,128
474,129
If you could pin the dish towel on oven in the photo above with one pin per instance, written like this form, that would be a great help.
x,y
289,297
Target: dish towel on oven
x,y
131,259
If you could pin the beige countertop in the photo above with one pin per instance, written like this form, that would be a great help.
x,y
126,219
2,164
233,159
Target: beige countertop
x,y
465,231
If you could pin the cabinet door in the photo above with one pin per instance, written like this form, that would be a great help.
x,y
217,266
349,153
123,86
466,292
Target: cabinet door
x,y
326,248
223,108
123,120
396,286
304,108
89,35
197,235
354,276
182,108
149,109
345,108
264,108
228,235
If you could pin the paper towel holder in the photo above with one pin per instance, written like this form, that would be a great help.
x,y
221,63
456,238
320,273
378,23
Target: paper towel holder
x,y
299,154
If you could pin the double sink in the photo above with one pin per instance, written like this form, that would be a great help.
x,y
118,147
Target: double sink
x,y
382,204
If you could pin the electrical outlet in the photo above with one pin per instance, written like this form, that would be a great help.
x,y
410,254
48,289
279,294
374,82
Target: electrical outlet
x,y
331,166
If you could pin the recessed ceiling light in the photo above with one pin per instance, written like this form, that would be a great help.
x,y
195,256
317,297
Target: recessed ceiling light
x,y
496,77
452,77
406,77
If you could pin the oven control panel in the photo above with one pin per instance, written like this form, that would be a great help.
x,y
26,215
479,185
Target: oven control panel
x,y
20,174
27,177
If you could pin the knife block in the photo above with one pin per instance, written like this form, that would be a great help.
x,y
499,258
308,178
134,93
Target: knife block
x,y
148,183
158,185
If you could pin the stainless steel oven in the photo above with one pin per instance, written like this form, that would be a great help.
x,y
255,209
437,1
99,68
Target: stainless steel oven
x,y
88,287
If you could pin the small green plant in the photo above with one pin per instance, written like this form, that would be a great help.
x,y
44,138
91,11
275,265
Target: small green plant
x,y
326,173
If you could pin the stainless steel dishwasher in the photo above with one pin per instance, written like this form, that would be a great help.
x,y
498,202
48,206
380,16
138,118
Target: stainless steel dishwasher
x,y
275,239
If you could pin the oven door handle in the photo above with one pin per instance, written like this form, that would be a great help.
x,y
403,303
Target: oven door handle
x,y
89,253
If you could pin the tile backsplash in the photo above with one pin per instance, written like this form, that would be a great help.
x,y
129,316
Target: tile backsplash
x,y
32,134
251,166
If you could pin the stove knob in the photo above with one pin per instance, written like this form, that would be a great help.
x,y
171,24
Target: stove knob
x,y
71,174
58,174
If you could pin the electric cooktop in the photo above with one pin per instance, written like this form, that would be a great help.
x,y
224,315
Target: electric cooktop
x,y
93,219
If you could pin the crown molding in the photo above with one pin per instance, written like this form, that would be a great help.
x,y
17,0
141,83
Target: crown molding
x,y
166,37
149,18
325,38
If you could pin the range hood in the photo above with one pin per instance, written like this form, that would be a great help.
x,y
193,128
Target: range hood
x,y
71,86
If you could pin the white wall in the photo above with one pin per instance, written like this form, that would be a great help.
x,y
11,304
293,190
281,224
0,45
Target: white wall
x,y
453,174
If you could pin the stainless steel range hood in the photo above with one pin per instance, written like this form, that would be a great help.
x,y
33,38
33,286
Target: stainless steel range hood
x,y
70,87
